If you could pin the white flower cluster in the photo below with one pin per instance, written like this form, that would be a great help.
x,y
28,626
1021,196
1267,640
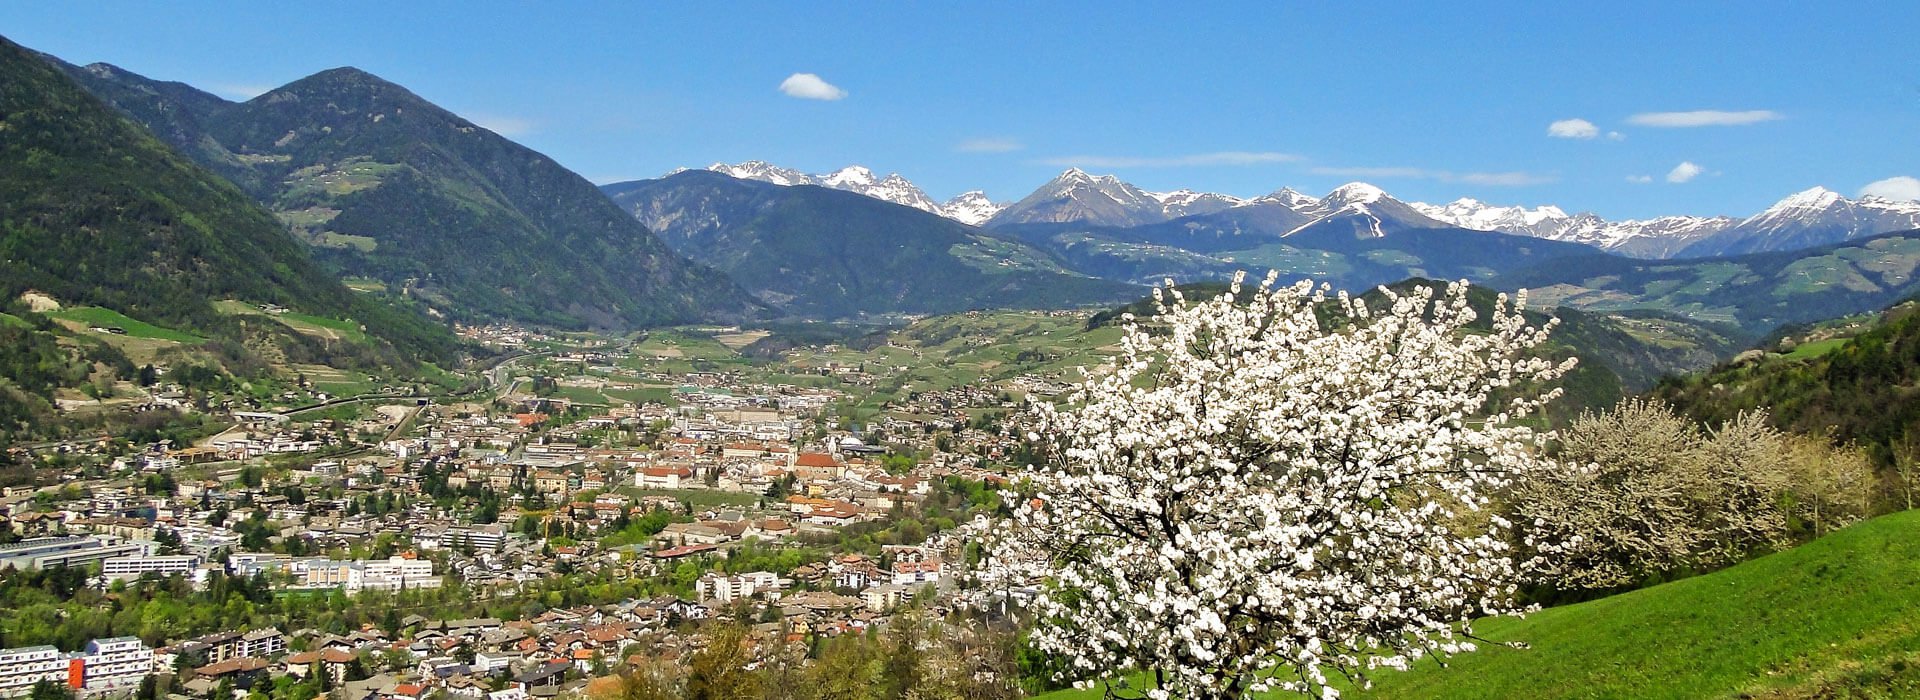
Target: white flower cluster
x,y
1252,494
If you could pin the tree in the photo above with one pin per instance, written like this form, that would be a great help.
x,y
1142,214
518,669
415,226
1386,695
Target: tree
x,y
49,690
719,671
1658,496
1251,494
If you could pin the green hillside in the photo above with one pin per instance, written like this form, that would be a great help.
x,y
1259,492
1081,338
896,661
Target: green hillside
x,y
391,188
1859,378
95,211
1835,618
1757,292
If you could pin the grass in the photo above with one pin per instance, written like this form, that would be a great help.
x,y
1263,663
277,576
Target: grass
x,y
96,316
12,320
1808,351
323,327
1835,618
659,395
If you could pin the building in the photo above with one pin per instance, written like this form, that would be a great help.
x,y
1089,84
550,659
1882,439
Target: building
x,y
21,668
352,576
119,568
112,664
397,573
727,589
662,477
484,538
914,573
266,643
52,552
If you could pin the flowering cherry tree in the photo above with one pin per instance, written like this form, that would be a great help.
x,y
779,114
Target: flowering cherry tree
x,y
1254,496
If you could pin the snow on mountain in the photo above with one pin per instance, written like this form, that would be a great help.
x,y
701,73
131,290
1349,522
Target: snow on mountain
x,y
1812,217
765,172
1363,208
971,208
1816,216
1184,202
854,178
1649,238
1474,214
1098,200
1289,198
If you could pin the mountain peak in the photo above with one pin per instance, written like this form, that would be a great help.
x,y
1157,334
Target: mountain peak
x,y
858,179
851,176
1356,193
1816,197
972,208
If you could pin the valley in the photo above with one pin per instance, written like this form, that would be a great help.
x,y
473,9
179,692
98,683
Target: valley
x,y
316,387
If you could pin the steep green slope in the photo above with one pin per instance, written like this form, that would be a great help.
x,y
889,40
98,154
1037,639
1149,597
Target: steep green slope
x,y
815,251
1861,383
386,185
1836,618
93,209
1833,618
1757,292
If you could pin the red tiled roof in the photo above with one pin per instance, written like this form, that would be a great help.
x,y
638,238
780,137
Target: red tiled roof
x,y
815,459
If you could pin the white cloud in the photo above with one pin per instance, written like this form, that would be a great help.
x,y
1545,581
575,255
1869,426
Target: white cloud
x,y
1616,136
1683,172
808,86
1372,172
1901,188
502,125
1187,161
1639,179
989,145
1573,129
1506,179
1704,117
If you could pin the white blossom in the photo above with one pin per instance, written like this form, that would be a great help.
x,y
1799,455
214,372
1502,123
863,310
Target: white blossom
x,y
1251,496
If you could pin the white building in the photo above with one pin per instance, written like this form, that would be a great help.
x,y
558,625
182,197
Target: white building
x,y
112,664
913,573
727,589
21,668
397,573
119,568
72,551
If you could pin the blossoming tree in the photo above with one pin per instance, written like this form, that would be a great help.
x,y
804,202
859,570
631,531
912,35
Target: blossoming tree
x,y
1254,496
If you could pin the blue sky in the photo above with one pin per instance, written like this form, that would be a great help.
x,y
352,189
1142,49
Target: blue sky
x,y
1430,103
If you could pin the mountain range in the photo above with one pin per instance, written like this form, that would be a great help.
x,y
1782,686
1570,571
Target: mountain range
x,y
390,188
819,251
1814,217
403,197
972,208
816,249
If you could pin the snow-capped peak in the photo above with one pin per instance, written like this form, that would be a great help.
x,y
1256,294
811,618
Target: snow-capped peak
x,y
850,177
764,172
971,208
1812,198
1467,212
1289,198
1355,193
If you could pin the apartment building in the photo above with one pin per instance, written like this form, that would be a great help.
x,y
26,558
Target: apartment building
x,y
21,668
